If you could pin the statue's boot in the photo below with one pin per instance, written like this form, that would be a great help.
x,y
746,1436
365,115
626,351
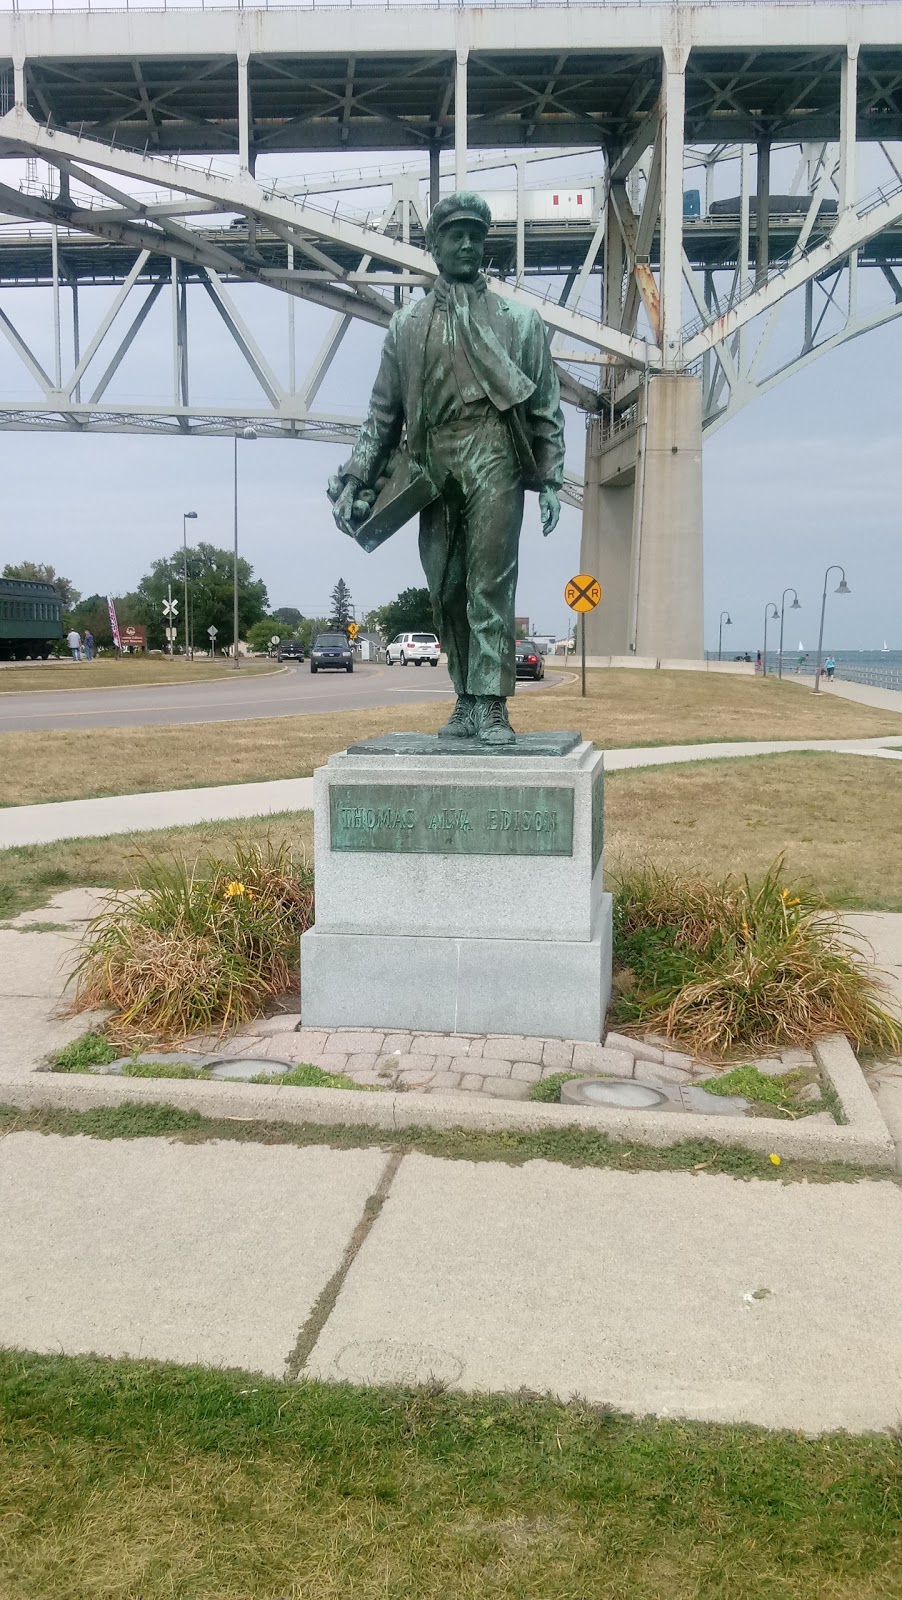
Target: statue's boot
x,y
492,725
462,722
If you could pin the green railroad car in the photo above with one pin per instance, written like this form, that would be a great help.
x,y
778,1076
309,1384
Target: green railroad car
x,y
31,619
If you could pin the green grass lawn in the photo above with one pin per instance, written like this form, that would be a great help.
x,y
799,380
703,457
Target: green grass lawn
x,y
570,1147
623,708
137,1481
132,672
835,818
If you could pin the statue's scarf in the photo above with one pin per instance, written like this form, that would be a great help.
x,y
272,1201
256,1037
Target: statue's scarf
x,y
503,382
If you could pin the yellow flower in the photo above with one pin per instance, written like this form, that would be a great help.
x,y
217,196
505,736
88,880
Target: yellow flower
x,y
234,888
796,902
776,1160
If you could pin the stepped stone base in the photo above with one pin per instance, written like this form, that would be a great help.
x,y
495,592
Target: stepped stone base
x,y
460,892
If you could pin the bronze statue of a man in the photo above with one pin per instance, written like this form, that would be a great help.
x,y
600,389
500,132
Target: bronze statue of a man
x,y
469,377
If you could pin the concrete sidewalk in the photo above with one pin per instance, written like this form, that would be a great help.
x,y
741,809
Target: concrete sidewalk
x,y
865,694
670,1293
133,813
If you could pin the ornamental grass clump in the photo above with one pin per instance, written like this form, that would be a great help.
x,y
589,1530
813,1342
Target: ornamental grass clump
x,y
736,964
197,947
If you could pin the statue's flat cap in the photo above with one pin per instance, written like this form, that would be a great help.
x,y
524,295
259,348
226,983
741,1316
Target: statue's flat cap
x,y
461,207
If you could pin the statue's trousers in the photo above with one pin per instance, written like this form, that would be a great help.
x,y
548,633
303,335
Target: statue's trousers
x,y
469,541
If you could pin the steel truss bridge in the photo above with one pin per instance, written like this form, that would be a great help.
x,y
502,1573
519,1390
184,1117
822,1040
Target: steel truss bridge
x,y
147,136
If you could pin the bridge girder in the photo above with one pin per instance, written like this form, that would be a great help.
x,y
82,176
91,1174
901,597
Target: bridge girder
x,y
237,82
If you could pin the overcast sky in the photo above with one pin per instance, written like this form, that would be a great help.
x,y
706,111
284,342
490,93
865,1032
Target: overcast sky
x,y
808,475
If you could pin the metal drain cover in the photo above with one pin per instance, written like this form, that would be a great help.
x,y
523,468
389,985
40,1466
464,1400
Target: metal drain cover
x,y
244,1067
623,1092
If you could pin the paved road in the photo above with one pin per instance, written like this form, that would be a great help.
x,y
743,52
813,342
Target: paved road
x,y
281,694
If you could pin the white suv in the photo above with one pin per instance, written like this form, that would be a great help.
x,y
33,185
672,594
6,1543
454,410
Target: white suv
x,y
415,647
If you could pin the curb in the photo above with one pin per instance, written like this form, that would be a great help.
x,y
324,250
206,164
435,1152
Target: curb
x,y
864,1140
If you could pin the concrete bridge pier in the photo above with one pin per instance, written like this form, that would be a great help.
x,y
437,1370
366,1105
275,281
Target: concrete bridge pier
x,y
642,525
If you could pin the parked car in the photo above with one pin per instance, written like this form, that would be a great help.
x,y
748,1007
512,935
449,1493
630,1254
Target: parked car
x,y
331,650
291,650
415,647
530,661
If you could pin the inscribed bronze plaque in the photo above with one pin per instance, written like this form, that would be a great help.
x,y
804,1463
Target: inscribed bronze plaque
x,y
451,819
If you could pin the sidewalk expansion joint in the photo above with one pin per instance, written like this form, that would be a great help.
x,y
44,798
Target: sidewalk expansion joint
x,y
324,1304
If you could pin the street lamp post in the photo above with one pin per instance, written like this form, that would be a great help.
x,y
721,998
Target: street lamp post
x,y
247,433
724,621
770,615
841,588
794,607
187,516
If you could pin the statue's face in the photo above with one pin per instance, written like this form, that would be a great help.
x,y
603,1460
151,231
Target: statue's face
x,y
459,249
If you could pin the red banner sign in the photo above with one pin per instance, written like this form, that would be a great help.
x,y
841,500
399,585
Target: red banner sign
x,y
113,622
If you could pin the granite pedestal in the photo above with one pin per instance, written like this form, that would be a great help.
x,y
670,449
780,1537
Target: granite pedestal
x,y
460,891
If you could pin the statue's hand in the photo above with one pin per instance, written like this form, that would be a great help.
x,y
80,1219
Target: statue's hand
x,y
550,507
351,503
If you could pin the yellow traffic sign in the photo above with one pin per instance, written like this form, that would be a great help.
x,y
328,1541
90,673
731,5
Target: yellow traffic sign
x,y
353,630
583,592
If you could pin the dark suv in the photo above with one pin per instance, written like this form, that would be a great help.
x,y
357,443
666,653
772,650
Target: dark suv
x,y
291,650
331,650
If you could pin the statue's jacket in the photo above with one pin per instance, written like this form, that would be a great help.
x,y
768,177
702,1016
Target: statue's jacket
x,y
398,398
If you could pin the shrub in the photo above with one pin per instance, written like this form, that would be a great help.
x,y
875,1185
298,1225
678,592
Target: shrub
x,y
163,1069
548,1090
777,1093
197,947
735,964
306,1076
84,1053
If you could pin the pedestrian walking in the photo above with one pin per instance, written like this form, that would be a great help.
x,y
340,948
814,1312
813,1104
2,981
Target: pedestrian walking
x,y
73,640
89,646
830,668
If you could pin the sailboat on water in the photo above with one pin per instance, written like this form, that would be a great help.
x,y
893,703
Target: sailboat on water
x,y
885,647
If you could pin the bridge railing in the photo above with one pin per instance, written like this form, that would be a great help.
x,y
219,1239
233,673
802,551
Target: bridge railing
x,y
748,285
102,7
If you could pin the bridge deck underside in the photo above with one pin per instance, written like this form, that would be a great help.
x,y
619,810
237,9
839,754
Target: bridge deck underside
x,y
395,100
26,256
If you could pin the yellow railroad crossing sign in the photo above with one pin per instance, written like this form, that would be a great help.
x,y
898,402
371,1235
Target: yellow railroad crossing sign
x,y
583,592
353,630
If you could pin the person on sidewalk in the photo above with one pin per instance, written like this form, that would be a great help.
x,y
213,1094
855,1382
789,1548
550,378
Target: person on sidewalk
x,y
470,377
73,640
829,668
89,646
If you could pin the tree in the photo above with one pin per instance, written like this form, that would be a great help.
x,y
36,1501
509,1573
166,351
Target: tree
x,y
92,615
342,609
308,629
209,596
259,634
411,612
288,617
42,572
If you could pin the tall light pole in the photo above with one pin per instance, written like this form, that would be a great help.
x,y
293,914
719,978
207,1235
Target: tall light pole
x,y
247,433
841,588
187,516
794,607
724,619
770,615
